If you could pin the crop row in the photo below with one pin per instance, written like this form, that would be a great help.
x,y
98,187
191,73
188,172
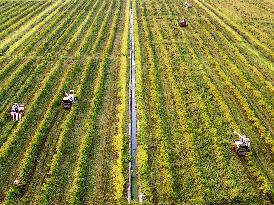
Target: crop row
x,y
142,154
53,37
31,27
241,98
266,51
18,139
62,142
265,181
59,99
7,146
76,191
66,128
8,11
202,118
119,138
43,98
234,55
159,155
6,6
10,6
252,17
33,147
222,163
25,52
40,49
34,29
25,14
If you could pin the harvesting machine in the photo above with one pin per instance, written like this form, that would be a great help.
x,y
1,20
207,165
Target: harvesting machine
x,y
183,23
242,145
17,111
69,99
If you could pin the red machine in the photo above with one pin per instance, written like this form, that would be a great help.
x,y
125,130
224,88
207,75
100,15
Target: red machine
x,y
183,23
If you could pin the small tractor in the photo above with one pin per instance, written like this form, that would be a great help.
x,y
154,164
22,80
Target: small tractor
x,y
17,111
183,23
242,145
69,99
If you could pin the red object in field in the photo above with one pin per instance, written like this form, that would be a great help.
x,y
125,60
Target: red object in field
x,y
183,23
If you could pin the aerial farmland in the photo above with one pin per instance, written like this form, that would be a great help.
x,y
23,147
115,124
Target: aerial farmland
x,y
137,102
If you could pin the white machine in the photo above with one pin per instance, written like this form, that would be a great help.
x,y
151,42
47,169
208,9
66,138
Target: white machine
x,y
17,111
69,99
242,145
187,5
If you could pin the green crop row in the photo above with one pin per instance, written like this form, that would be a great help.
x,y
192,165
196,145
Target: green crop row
x,y
263,180
83,27
56,160
241,99
166,191
38,25
41,49
233,59
239,30
9,13
38,20
15,98
118,140
222,163
7,146
185,124
10,5
26,12
29,159
28,60
142,153
62,143
77,188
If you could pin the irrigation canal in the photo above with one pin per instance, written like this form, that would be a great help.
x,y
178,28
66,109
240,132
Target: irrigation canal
x,y
132,188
